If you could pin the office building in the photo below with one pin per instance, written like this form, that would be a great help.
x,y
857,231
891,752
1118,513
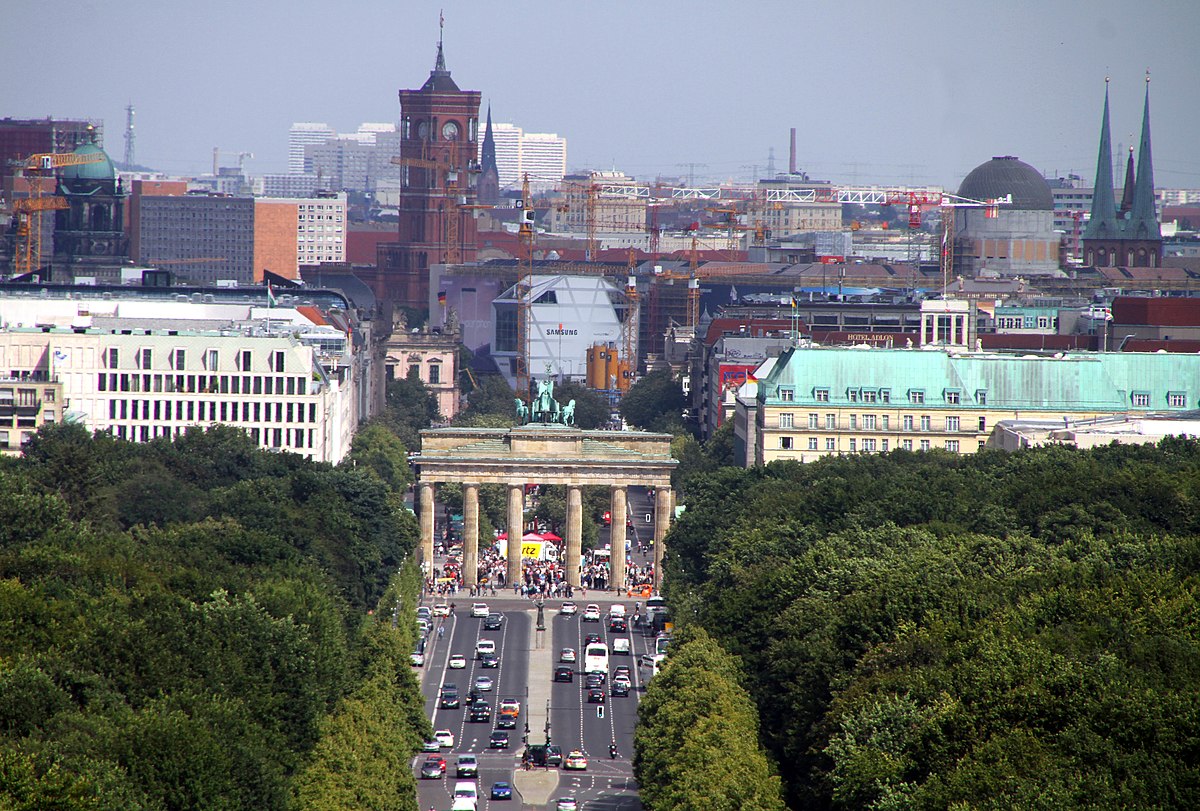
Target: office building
x,y
302,135
541,155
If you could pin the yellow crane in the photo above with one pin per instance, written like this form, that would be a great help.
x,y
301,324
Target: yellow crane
x,y
28,211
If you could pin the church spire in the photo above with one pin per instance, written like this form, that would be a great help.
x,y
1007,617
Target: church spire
x,y
487,154
1103,222
1127,189
1143,223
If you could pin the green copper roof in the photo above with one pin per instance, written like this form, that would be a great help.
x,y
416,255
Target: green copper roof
x,y
1114,381
101,170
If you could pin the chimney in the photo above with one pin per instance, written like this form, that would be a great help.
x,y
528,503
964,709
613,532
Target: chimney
x,y
792,154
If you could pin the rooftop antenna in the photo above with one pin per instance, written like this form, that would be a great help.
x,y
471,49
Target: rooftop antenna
x,y
129,136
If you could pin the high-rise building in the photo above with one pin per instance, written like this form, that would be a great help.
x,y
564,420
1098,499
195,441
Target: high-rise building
x,y
541,155
1128,234
439,142
301,135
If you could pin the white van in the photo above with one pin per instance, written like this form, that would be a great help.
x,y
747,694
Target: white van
x,y
620,645
616,610
484,646
466,790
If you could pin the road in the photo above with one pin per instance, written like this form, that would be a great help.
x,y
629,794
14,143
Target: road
x,y
607,784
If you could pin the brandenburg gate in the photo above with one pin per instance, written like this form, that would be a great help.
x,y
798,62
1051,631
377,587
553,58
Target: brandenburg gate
x,y
543,453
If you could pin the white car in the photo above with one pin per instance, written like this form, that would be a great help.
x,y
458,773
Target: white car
x,y
457,662
479,610
566,655
592,612
445,738
441,610
568,608
566,804
417,658
483,683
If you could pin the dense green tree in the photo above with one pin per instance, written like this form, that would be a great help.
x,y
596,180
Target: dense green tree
x,y
409,407
491,398
655,403
377,448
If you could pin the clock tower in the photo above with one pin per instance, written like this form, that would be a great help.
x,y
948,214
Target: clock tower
x,y
439,132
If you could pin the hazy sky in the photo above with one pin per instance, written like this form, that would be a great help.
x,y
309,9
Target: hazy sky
x,y
907,92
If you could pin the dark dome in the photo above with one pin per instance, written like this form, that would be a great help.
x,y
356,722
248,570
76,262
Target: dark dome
x,y
1007,175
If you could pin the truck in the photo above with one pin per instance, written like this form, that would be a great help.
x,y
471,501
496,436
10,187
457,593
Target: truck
x,y
534,550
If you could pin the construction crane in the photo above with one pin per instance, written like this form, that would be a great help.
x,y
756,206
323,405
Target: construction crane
x,y
629,327
525,235
28,211
948,204
241,156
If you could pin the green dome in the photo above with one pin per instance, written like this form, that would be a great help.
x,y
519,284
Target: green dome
x,y
100,170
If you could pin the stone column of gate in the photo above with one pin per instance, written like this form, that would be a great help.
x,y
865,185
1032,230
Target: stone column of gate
x,y
516,528
574,532
663,507
470,534
425,495
617,511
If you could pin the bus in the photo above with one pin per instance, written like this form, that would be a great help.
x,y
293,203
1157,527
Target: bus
x,y
661,642
656,613
595,658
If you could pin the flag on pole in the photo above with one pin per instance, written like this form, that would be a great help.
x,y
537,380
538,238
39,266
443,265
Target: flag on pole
x,y
271,300
442,297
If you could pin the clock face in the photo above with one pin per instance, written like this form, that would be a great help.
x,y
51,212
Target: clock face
x,y
450,130
423,129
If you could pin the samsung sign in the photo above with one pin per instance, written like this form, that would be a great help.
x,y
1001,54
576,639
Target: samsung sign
x,y
561,331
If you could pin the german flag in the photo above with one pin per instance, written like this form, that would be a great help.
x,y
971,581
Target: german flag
x,y
442,297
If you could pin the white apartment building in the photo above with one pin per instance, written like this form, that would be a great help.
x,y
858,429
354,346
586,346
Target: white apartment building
x,y
147,368
543,155
301,135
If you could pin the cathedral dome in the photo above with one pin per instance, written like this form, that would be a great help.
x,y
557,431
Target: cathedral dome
x,y
100,170
1007,175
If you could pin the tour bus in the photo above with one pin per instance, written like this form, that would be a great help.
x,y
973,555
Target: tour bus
x,y
661,642
595,658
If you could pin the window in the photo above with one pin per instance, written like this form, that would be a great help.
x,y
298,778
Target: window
x,y
787,395
982,424
814,420
952,424
112,357
1176,399
821,395
435,373
981,397
852,395
831,422
883,445
916,396
885,423
952,445
853,445
1141,399
868,422
48,395
830,444
868,446
853,422
869,395
277,360
953,396
812,443
243,362
145,358
178,359
925,423
924,444
906,444
785,443
414,371
211,358
885,395
785,420
908,422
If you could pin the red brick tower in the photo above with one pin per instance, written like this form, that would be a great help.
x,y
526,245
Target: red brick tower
x,y
439,141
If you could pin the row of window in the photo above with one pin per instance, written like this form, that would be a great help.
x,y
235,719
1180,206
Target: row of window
x,y
203,384
874,422
868,444
210,411
298,438
177,359
1138,399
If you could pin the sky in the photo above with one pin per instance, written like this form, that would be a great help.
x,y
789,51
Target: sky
x,y
880,92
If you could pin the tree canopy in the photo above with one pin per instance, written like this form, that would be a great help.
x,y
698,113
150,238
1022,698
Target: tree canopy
x,y
185,625
655,403
936,631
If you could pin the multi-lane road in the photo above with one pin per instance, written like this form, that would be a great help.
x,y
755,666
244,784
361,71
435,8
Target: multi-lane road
x,y
526,674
